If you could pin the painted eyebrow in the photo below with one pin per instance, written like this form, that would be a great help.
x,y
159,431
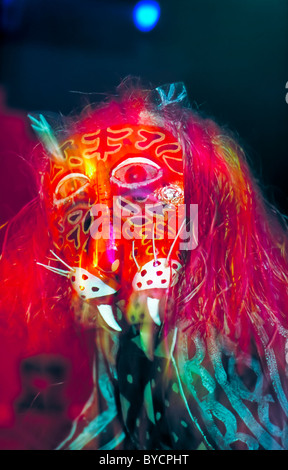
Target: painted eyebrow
x,y
67,177
135,160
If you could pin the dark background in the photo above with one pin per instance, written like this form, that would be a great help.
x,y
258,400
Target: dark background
x,y
231,54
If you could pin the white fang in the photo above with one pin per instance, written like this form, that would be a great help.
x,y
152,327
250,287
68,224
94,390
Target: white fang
x,y
106,313
153,308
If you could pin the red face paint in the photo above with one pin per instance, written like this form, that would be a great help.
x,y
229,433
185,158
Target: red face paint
x,y
112,197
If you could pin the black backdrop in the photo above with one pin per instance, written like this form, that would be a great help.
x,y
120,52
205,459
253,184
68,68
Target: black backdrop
x,y
231,54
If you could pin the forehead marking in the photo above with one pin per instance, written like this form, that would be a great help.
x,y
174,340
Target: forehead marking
x,y
149,138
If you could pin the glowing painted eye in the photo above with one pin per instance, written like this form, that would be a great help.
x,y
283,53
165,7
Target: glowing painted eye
x,y
136,172
70,185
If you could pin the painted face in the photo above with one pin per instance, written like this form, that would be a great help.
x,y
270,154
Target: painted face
x,y
114,199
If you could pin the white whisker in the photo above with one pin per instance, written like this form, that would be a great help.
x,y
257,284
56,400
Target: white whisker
x,y
174,241
61,272
61,260
153,244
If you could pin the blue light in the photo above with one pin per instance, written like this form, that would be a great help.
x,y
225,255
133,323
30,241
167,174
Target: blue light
x,y
146,15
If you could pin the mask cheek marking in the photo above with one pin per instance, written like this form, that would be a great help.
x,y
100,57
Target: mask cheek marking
x,y
156,274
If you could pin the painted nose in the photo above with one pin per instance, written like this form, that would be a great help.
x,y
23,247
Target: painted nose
x,y
109,261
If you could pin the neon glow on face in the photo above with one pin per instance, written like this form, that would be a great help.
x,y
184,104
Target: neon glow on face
x,y
134,174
